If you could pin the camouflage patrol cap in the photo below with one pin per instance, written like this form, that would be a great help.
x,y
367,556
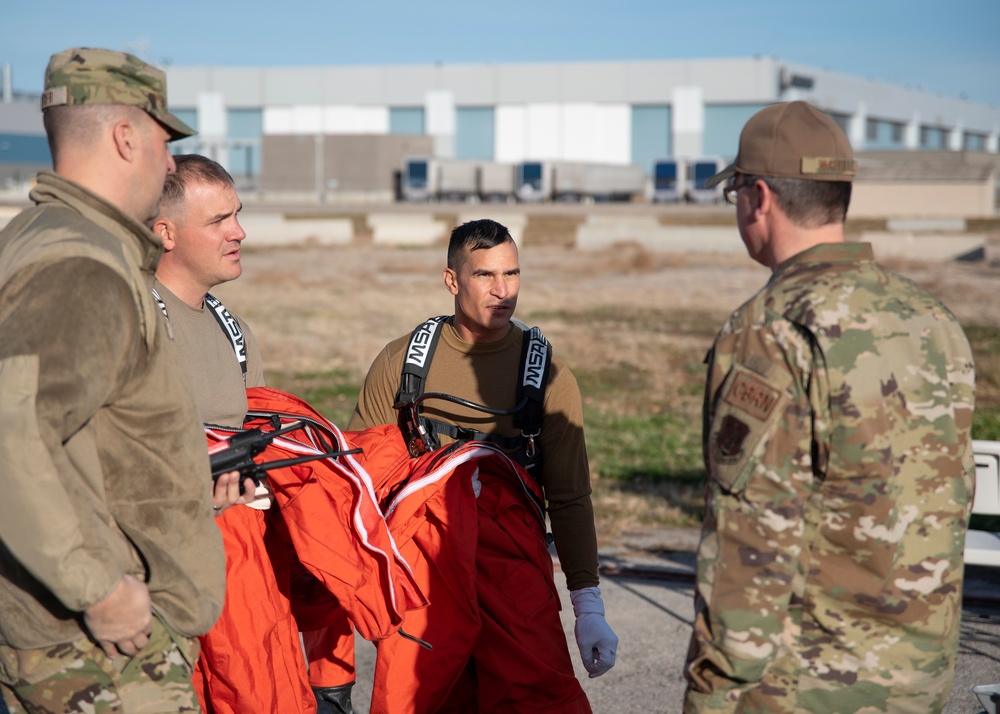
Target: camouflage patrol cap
x,y
792,140
84,75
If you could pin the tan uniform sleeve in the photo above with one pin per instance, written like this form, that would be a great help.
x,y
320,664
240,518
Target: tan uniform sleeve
x,y
566,478
378,393
68,336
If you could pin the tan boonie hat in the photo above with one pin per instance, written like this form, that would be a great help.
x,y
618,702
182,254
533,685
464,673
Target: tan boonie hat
x,y
792,140
83,75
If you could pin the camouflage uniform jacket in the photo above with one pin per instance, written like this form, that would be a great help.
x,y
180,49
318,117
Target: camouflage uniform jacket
x,y
837,416
102,455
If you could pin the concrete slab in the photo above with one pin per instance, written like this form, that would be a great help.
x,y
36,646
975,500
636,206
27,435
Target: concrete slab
x,y
646,231
272,229
934,247
406,229
926,225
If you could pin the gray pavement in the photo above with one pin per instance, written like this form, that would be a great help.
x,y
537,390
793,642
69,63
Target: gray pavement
x,y
652,618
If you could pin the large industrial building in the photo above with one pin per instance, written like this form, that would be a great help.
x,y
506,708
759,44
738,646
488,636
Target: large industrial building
x,y
299,129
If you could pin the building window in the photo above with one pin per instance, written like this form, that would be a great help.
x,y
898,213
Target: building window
x,y
932,137
723,124
650,134
188,116
190,144
24,149
974,142
244,123
897,133
842,121
406,120
474,133
872,132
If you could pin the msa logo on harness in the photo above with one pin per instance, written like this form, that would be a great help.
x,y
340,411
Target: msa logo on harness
x,y
421,433
232,329
422,343
536,360
226,321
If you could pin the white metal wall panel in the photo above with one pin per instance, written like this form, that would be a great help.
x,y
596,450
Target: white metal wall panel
x,y
509,138
528,83
595,82
355,120
212,115
440,113
471,84
184,85
325,120
293,120
542,128
351,85
242,86
293,85
843,93
407,86
595,132
688,116
737,81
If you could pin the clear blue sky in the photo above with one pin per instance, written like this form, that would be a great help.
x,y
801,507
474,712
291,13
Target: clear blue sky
x,y
947,47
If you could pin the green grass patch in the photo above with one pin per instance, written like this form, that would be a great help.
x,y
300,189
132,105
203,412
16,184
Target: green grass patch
x,y
652,448
644,441
986,424
332,394
985,341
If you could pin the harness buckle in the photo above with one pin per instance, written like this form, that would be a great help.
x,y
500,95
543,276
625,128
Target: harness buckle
x,y
530,447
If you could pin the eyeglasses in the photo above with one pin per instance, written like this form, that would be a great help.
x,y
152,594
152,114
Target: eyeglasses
x,y
731,190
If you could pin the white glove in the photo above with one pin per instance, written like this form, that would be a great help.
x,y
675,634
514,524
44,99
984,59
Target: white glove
x,y
594,637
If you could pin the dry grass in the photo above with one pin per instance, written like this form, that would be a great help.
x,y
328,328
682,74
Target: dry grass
x,y
634,326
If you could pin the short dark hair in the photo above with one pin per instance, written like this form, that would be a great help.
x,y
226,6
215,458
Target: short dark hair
x,y
475,235
809,204
190,169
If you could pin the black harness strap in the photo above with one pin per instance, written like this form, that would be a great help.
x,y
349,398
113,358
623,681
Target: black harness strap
x,y
421,432
418,357
232,329
226,321
536,357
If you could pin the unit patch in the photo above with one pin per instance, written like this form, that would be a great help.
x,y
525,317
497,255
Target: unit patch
x,y
752,395
729,440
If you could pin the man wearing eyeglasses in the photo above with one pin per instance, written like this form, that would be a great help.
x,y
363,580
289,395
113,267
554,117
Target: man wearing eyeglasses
x,y
836,438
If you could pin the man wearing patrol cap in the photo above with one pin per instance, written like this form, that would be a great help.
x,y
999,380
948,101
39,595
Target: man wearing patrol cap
x,y
837,413
110,564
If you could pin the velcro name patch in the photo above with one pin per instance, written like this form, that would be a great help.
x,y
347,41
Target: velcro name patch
x,y
753,396
829,166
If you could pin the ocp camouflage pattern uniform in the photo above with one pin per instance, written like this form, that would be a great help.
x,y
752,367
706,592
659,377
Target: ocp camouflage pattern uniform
x,y
92,75
78,677
837,413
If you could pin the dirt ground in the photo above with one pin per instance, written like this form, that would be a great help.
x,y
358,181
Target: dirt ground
x,y
320,309
624,310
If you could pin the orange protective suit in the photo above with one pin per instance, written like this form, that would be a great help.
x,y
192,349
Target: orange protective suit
x,y
483,562
324,542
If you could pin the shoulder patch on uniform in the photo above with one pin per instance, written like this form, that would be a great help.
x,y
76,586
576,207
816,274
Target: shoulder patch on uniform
x,y
730,437
752,395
